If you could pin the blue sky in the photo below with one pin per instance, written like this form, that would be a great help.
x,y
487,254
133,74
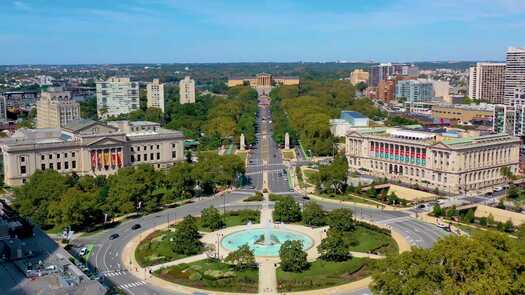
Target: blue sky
x,y
111,31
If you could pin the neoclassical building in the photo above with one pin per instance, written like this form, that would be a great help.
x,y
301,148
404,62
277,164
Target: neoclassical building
x,y
263,82
451,162
88,147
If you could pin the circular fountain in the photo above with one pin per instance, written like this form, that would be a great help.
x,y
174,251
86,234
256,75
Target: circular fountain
x,y
262,242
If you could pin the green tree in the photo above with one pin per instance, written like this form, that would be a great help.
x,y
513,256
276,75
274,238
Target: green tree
x,y
313,214
153,115
33,199
242,258
293,257
437,210
287,210
361,86
211,218
334,177
341,219
469,216
484,263
334,247
77,209
186,239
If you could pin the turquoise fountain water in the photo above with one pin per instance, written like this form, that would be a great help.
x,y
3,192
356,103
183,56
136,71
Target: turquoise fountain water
x,y
264,247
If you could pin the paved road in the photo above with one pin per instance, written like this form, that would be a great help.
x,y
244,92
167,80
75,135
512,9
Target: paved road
x,y
106,256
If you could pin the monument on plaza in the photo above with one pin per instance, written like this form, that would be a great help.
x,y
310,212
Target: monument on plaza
x,y
242,143
287,141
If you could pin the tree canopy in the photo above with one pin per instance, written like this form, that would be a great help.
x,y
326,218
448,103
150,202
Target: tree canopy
x,y
287,210
485,263
293,257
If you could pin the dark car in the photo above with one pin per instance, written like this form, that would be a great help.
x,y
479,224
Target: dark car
x,y
135,226
114,236
306,198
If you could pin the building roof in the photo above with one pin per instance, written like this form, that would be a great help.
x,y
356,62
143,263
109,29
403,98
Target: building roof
x,y
355,115
76,125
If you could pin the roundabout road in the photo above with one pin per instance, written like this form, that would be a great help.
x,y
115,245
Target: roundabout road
x,y
106,257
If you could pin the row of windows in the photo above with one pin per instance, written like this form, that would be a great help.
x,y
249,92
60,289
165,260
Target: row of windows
x,y
59,165
57,156
144,148
145,157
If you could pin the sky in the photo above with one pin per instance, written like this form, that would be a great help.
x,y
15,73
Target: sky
x,y
169,31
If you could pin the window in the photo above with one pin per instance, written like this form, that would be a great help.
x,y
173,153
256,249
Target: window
x,y
145,157
138,148
73,154
51,166
43,167
138,158
42,157
151,156
23,170
73,164
151,147
132,158
58,156
173,145
158,146
173,154
131,148
50,156
66,165
65,155
158,156
22,159
59,166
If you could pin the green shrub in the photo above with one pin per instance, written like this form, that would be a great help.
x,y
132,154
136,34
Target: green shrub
x,y
196,276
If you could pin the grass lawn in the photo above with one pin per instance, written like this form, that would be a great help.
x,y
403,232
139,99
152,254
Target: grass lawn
x,y
311,176
275,198
288,155
256,198
323,274
347,198
368,240
212,275
156,249
233,218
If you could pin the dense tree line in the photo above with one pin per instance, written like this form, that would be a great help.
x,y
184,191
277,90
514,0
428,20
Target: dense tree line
x,y
51,199
304,111
485,263
217,120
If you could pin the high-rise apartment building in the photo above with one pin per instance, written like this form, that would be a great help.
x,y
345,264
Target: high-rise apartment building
x,y
358,76
117,96
442,90
3,109
187,90
155,92
381,72
487,82
55,108
515,77
415,90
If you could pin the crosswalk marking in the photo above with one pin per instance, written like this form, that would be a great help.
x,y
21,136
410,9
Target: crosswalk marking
x,y
394,220
132,285
113,273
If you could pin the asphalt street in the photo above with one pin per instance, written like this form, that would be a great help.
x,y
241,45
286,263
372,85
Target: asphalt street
x,y
106,256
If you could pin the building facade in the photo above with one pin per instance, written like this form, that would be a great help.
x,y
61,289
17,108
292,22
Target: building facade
x,y
432,160
3,109
487,82
358,76
415,90
263,79
347,120
441,90
382,72
56,108
155,95
386,90
89,148
462,113
187,90
117,96
515,77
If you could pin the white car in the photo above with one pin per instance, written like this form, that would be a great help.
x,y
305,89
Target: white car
x,y
498,189
83,251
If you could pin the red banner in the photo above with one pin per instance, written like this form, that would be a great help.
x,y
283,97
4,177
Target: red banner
x,y
93,159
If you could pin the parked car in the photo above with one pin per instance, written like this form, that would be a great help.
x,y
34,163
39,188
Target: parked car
x,y
83,251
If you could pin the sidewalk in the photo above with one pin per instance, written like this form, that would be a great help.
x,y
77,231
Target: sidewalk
x,y
267,277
